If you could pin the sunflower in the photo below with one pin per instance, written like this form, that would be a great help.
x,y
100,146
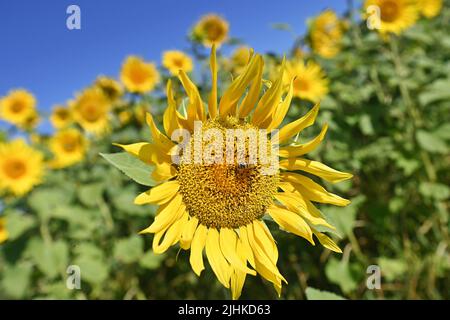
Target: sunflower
x,y
211,29
175,60
68,146
61,117
430,8
91,110
139,76
3,231
309,83
219,207
18,107
239,59
21,167
326,32
395,15
110,87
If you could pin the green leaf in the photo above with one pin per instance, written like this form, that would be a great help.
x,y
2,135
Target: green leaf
x,y
89,194
431,142
365,123
131,166
315,294
129,250
92,270
339,272
18,223
45,201
16,280
151,261
436,91
50,258
436,191
391,269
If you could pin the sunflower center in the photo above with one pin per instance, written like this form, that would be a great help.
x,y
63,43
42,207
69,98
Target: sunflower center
x,y
91,113
69,144
17,107
301,84
224,194
14,168
389,11
138,75
213,30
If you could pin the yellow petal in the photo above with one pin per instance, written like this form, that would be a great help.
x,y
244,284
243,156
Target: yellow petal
x,y
246,245
171,236
159,139
163,171
301,149
327,242
269,101
216,259
249,102
212,104
296,126
315,168
313,191
263,236
167,215
228,245
142,150
159,194
291,222
170,117
188,233
282,109
197,245
195,109
235,91
237,276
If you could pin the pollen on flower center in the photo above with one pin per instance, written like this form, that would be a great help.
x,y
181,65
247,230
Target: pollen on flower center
x,y
14,168
223,195
389,11
17,107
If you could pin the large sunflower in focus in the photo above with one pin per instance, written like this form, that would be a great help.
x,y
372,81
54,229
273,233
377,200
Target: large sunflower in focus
x,y
91,110
21,167
218,207
68,146
18,107
395,15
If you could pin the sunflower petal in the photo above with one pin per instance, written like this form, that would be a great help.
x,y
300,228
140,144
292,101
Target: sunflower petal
x,y
167,215
291,222
315,168
195,109
249,102
298,125
212,104
216,259
327,242
197,246
171,236
237,276
159,194
228,244
312,190
282,109
188,233
170,117
301,149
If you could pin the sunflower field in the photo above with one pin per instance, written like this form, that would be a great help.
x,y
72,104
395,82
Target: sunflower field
x,y
98,209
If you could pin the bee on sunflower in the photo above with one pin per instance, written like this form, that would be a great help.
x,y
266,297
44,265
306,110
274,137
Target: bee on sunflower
x,y
219,207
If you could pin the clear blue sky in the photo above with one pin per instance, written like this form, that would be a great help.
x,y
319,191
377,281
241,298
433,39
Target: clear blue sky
x,y
39,53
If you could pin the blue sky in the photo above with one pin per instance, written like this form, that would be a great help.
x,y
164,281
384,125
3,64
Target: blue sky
x,y
39,53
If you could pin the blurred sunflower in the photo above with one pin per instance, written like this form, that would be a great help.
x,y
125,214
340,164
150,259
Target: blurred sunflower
x,y
3,231
125,117
68,147
239,59
18,107
219,207
211,29
91,110
175,60
395,15
326,32
139,76
21,167
110,87
430,8
310,82
61,117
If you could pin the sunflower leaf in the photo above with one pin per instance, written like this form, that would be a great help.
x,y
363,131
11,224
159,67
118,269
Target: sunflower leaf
x,y
315,294
132,167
